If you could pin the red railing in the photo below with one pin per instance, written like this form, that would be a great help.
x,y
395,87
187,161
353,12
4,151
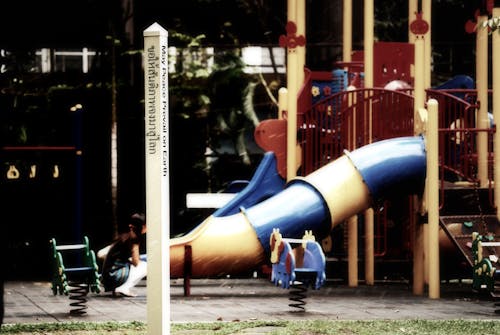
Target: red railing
x,y
458,137
350,119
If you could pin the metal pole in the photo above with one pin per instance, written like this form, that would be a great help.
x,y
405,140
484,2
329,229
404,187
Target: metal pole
x,y
412,9
432,187
418,232
496,101
293,89
352,251
427,15
482,95
347,31
368,68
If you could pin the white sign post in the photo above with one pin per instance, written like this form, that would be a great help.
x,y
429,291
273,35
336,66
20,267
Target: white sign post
x,y
157,179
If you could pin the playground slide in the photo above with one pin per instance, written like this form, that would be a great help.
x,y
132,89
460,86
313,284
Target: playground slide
x,y
239,242
265,183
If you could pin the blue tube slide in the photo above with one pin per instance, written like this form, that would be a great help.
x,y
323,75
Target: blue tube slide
x,y
232,242
265,183
390,167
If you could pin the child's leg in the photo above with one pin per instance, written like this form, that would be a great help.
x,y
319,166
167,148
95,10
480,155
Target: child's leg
x,y
135,275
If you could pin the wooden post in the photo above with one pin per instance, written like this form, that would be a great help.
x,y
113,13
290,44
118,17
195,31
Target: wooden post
x,y
157,178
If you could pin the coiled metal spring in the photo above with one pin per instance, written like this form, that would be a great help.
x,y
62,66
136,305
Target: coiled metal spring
x,y
298,295
78,295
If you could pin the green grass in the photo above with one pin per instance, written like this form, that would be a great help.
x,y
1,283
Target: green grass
x,y
314,327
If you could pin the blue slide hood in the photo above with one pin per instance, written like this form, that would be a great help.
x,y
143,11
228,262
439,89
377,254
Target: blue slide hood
x,y
392,167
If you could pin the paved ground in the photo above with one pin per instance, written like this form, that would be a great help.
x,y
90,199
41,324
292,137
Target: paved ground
x,y
251,299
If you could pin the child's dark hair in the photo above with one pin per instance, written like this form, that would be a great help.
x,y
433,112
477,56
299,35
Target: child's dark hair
x,y
137,219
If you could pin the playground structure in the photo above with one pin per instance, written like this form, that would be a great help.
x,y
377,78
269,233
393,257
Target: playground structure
x,y
312,132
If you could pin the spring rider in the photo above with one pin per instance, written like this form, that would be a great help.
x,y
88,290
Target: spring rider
x,y
78,280
297,267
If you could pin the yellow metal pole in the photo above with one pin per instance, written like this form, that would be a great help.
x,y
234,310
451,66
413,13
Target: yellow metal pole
x,y
282,102
482,95
412,9
352,222
352,251
418,254
427,55
347,31
368,45
369,247
293,89
427,15
432,190
301,50
419,233
419,85
292,11
496,104
368,69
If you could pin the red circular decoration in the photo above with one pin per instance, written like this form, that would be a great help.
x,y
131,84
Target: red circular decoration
x,y
291,40
283,41
470,26
291,28
419,26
